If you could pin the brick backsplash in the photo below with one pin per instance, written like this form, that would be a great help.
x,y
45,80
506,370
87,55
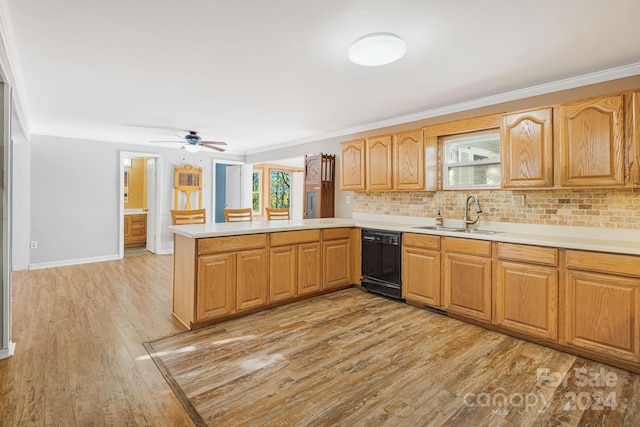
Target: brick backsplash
x,y
590,208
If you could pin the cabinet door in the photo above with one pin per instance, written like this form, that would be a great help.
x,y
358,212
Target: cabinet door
x,y
253,277
128,221
591,148
408,168
335,258
467,285
309,268
379,161
527,299
421,276
282,273
527,149
216,288
353,167
601,314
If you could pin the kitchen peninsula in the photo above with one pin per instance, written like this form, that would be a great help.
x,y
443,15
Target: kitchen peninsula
x,y
576,289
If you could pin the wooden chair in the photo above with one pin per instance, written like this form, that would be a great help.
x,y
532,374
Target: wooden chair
x,y
278,213
194,216
238,215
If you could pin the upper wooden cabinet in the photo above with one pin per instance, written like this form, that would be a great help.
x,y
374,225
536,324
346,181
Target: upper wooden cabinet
x,y
591,142
383,163
352,165
527,149
379,158
408,166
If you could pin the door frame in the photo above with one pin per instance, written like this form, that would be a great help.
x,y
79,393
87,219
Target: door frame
x,y
213,181
158,205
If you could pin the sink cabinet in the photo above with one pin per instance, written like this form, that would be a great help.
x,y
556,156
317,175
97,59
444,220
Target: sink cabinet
x,y
467,277
135,230
421,269
526,290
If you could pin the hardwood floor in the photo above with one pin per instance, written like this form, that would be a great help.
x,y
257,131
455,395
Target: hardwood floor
x,y
346,358
79,355
350,358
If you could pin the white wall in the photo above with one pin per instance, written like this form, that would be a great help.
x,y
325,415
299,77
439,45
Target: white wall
x,y
75,191
20,206
328,146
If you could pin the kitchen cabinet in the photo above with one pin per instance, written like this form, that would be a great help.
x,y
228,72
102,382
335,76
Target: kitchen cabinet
x,y
409,160
527,149
252,287
421,269
602,304
232,275
352,155
467,277
379,163
216,286
336,257
294,264
591,142
135,230
526,290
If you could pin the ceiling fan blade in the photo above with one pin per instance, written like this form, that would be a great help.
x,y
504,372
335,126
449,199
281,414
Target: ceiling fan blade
x,y
214,142
213,147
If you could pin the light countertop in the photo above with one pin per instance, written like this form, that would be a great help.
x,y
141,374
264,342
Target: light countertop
x,y
624,241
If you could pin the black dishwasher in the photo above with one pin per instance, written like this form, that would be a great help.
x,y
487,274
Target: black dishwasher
x,y
381,262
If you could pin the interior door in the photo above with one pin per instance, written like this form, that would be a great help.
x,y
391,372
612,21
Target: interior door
x,y
151,205
233,188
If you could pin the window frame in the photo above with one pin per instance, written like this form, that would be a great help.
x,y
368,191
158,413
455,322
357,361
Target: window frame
x,y
447,164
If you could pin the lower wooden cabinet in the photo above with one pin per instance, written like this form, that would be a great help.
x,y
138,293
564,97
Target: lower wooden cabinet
x,y
526,291
135,230
283,269
467,277
337,265
421,269
216,286
309,268
252,287
602,310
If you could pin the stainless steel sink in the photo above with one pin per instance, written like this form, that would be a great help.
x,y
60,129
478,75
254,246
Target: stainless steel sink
x,y
457,230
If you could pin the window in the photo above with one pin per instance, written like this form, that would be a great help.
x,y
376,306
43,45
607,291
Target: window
x,y
280,189
471,160
256,193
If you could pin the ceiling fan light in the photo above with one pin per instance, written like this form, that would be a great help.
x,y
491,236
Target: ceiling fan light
x,y
192,148
377,49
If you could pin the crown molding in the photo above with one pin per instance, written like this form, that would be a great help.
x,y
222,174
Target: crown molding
x,y
542,89
10,71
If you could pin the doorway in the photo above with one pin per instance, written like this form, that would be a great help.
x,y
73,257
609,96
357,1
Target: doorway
x,y
227,187
147,210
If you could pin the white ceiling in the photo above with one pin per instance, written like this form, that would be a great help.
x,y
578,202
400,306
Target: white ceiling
x,y
258,73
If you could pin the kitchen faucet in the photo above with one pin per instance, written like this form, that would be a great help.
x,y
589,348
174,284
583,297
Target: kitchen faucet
x,y
467,221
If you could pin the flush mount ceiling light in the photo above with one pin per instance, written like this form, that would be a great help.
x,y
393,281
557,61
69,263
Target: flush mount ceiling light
x,y
377,49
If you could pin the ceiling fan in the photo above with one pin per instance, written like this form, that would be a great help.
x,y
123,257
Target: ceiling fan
x,y
193,143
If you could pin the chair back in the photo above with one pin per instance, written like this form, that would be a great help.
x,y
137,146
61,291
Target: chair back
x,y
194,216
278,213
238,215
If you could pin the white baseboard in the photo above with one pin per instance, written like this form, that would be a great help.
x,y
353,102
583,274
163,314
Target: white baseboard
x,y
65,263
8,352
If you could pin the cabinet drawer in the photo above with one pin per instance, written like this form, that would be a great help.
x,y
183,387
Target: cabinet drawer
x,y
135,225
139,218
231,243
624,265
421,241
138,232
466,246
525,253
336,233
292,237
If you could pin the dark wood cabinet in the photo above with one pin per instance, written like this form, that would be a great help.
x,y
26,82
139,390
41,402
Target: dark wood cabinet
x,y
319,185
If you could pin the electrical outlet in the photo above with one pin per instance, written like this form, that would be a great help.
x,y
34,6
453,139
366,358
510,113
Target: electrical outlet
x,y
348,199
517,201
34,245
